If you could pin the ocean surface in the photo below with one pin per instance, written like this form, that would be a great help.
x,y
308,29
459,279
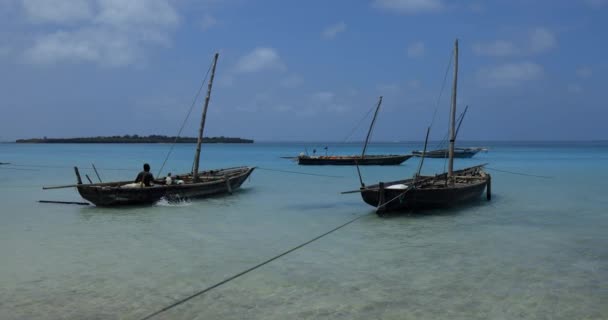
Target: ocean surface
x,y
538,250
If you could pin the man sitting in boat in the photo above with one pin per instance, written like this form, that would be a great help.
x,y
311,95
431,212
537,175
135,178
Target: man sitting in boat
x,y
145,176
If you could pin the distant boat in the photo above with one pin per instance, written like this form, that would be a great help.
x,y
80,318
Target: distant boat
x,y
194,184
458,152
444,153
351,160
424,192
378,160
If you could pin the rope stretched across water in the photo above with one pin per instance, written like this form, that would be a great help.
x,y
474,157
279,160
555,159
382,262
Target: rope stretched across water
x,y
196,294
520,173
28,166
302,173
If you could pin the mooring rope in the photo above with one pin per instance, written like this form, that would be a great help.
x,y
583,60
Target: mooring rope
x,y
302,173
63,167
196,294
21,169
520,173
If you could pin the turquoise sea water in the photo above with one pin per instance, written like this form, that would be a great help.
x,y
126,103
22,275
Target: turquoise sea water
x,y
538,250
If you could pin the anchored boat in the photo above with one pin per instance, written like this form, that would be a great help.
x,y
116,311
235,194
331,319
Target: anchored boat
x,y
458,152
208,183
425,192
194,184
444,153
362,160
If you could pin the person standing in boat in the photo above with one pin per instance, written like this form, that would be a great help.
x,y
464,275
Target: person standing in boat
x,y
145,176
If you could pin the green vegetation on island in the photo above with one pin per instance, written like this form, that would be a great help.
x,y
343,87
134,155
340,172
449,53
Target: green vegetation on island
x,y
135,139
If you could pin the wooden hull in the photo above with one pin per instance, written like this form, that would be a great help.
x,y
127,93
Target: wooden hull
x,y
443,154
211,183
435,194
373,160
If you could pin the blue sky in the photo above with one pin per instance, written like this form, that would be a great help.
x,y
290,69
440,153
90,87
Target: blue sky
x,y
303,70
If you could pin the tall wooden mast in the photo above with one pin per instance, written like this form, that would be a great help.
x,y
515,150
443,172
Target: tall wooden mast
x,y
197,155
371,126
453,113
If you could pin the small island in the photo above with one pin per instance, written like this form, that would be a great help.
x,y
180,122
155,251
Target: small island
x,y
135,139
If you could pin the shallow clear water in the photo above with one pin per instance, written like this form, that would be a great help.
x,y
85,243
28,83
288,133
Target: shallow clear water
x,y
538,250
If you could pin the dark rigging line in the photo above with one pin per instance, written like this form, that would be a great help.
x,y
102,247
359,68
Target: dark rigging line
x,y
358,124
185,120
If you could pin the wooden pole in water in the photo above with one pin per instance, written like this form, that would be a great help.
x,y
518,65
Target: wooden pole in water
x,y
489,188
201,129
453,113
77,175
371,126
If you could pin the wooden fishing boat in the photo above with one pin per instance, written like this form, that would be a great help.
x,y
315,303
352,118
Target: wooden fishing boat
x,y
190,185
444,153
425,192
122,193
351,160
368,160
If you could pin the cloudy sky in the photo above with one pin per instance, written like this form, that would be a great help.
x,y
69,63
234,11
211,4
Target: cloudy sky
x,y
303,70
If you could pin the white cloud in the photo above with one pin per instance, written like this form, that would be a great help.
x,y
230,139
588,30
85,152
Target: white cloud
x,y
584,72
409,6
292,81
510,74
574,88
5,50
136,13
416,49
208,22
541,40
57,11
283,108
414,84
495,48
226,80
538,40
389,88
332,31
324,96
596,3
260,59
476,8
89,45
112,32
